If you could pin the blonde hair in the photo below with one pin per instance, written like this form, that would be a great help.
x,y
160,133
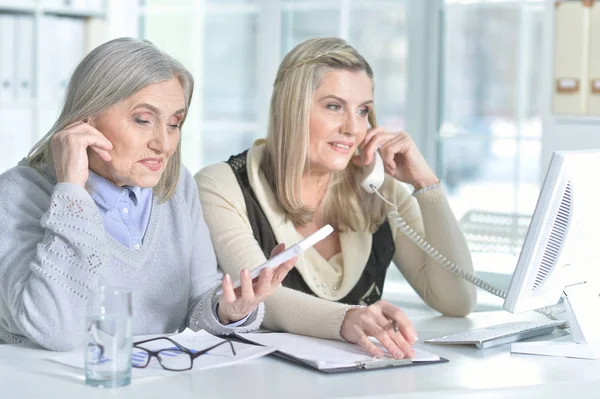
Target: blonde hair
x,y
346,206
111,73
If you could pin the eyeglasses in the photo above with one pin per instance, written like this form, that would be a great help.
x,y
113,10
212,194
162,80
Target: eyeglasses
x,y
175,358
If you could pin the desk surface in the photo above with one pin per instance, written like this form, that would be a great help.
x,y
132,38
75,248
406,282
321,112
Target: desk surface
x,y
471,373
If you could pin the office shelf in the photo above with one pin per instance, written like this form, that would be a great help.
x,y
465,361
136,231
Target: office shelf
x,y
41,42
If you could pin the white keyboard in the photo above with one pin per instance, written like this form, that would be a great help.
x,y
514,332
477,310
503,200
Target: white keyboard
x,y
498,334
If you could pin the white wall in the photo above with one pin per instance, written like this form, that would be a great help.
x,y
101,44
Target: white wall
x,y
561,132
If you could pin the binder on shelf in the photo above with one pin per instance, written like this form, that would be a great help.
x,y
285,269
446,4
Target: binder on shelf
x,y
78,43
594,63
34,75
24,58
48,71
70,35
62,47
569,49
332,357
7,50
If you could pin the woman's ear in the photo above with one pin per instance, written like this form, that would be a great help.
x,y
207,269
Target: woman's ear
x,y
90,121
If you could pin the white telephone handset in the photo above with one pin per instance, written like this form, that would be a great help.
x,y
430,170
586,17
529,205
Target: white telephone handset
x,y
373,175
289,253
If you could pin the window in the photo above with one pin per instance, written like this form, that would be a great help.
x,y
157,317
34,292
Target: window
x,y
218,43
489,144
233,49
376,29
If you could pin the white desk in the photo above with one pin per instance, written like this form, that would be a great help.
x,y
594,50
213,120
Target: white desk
x,y
471,373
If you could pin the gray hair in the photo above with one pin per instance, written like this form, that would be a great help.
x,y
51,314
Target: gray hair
x,y
111,73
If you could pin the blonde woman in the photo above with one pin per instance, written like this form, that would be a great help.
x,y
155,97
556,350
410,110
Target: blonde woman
x,y
103,198
305,175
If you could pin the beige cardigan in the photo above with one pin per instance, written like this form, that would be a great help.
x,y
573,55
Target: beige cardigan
x,y
289,310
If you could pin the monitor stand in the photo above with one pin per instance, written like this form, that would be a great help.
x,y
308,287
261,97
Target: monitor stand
x,y
582,304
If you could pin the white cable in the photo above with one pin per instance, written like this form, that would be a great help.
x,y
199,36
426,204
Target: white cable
x,y
435,254
442,260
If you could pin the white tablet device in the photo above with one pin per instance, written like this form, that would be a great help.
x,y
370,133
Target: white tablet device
x,y
289,253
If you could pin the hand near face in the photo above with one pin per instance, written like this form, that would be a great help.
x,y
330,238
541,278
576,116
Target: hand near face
x,y
401,157
69,152
383,321
235,304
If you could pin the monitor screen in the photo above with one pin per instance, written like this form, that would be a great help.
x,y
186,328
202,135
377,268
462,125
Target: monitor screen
x,y
562,244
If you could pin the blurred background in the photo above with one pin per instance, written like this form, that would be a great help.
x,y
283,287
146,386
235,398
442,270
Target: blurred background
x,y
463,77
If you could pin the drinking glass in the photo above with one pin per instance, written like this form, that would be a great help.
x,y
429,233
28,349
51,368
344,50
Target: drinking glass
x,y
109,338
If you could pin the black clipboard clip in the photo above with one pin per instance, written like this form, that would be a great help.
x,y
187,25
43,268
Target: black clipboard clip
x,y
382,363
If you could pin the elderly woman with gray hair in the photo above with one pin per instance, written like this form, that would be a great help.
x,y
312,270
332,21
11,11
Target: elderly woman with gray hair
x,y
103,198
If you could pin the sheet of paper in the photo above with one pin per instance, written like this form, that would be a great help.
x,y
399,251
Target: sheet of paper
x,y
195,341
324,353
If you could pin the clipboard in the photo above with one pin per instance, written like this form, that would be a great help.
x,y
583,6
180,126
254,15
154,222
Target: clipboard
x,y
293,348
360,366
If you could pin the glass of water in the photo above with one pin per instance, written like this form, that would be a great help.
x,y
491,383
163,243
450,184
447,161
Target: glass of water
x,y
109,338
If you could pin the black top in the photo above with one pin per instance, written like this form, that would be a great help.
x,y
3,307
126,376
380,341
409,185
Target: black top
x,y
369,287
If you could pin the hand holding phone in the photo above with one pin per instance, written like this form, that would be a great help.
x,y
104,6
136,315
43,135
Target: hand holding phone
x,y
401,158
289,253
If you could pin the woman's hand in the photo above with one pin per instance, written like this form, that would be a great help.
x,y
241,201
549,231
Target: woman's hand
x,y
400,155
235,304
383,321
69,151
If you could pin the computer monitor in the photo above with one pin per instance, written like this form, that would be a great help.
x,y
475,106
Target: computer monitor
x,y
561,251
